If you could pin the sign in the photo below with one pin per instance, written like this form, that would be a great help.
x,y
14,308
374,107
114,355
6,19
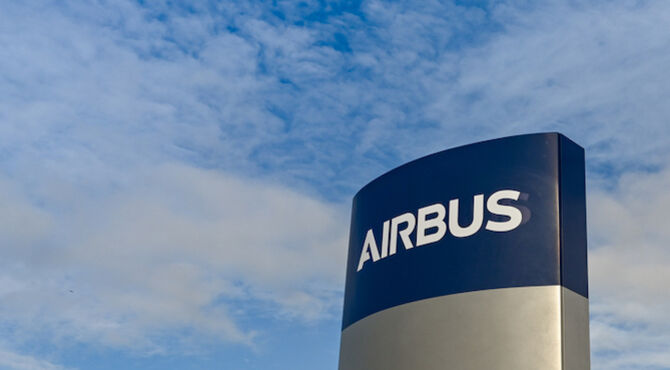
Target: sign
x,y
471,256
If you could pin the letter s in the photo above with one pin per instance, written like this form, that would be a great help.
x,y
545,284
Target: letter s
x,y
514,214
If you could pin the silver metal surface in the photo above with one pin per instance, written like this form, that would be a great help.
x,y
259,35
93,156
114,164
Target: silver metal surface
x,y
504,329
576,343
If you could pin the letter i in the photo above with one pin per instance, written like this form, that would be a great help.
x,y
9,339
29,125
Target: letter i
x,y
385,239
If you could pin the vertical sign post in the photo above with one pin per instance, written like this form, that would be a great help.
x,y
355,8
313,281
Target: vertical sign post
x,y
471,258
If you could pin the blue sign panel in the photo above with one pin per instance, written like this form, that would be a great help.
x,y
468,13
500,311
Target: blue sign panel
x,y
497,214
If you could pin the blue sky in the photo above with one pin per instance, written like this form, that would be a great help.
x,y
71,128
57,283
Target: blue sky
x,y
175,178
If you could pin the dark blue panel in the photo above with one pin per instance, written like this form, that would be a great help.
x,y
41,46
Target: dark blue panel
x,y
573,217
526,256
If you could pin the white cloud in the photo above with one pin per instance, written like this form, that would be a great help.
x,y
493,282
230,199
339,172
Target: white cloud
x,y
238,89
23,226
12,360
629,273
105,244
595,72
173,250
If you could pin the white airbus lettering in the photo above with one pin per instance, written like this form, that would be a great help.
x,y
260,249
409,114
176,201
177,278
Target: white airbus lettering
x,y
431,227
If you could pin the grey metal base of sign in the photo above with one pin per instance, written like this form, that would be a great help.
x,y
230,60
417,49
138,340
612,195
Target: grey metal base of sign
x,y
525,328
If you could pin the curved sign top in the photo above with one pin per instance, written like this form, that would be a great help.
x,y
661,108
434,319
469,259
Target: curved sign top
x,y
497,214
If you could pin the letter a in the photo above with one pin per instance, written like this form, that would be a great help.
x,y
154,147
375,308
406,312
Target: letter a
x,y
369,247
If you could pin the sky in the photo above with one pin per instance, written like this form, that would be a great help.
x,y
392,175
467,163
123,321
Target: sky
x,y
176,177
